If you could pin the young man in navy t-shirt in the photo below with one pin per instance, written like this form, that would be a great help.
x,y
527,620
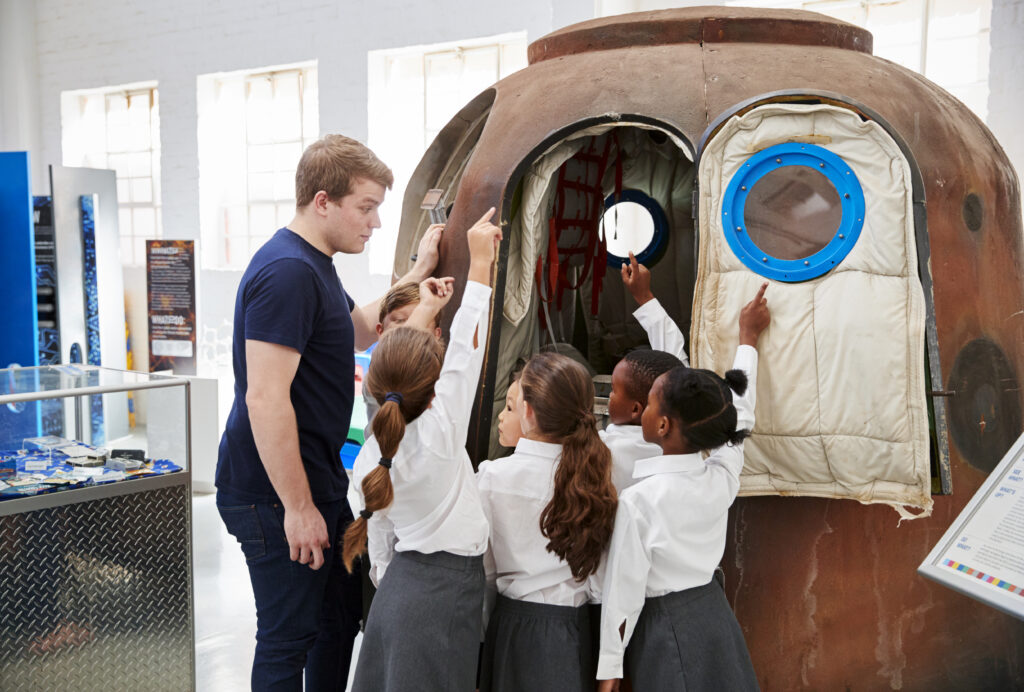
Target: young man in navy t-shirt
x,y
281,488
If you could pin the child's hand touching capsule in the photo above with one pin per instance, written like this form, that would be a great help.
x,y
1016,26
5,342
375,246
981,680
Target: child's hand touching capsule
x,y
754,318
484,238
435,293
637,278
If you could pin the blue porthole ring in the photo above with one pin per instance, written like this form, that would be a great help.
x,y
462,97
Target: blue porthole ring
x,y
659,241
839,174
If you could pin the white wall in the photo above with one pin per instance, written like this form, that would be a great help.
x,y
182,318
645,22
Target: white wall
x,y
1006,79
19,93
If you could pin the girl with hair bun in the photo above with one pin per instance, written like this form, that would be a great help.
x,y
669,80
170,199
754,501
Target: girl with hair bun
x,y
421,517
661,603
551,508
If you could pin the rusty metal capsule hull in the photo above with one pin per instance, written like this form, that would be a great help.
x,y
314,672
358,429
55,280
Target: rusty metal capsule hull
x,y
825,590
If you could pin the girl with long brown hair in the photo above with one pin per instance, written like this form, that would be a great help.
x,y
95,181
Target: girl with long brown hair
x,y
551,507
421,510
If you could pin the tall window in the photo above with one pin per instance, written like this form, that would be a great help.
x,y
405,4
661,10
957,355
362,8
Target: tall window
x,y
253,127
413,93
119,128
947,41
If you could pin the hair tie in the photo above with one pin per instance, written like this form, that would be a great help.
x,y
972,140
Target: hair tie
x,y
586,420
385,462
395,397
366,514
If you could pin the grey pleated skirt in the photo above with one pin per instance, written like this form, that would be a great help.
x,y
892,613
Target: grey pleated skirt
x,y
532,647
689,640
423,629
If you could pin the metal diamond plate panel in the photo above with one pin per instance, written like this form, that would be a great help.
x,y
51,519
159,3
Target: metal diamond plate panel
x,y
97,595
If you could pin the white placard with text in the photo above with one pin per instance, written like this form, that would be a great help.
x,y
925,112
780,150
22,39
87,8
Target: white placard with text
x,y
982,553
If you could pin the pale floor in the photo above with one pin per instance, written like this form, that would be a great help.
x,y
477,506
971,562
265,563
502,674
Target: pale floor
x,y
225,612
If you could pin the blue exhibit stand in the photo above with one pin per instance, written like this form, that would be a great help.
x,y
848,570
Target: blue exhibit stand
x,y
17,262
18,309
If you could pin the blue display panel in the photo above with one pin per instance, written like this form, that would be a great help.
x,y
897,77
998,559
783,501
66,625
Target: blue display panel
x,y
92,309
844,188
52,410
17,262
19,345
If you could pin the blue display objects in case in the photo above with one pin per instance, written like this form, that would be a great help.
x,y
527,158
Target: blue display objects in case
x,y
843,179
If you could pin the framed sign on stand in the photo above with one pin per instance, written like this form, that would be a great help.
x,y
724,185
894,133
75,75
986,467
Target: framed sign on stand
x,y
981,555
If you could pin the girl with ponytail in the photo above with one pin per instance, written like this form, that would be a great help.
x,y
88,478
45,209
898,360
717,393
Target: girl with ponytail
x,y
551,508
660,597
421,517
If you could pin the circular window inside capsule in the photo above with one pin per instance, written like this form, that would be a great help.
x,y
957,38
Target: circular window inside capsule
x,y
633,222
792,212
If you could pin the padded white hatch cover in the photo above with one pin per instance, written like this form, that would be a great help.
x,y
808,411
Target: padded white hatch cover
x,y
841,401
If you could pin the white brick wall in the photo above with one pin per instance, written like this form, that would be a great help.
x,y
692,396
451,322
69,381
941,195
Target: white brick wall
x,y
92,44
19,98
1006,79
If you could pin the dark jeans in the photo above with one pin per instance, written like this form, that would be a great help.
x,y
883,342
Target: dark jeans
x,y
305,618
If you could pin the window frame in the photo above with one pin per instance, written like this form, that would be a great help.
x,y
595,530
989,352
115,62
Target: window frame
x,y
78,156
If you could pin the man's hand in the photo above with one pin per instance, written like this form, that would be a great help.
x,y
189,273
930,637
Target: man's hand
x,y
434,295
307,535
484,238
427,253
754,318
637,278
608,685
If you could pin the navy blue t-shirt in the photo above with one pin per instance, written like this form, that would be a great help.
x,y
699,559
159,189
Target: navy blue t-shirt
x,y
291,295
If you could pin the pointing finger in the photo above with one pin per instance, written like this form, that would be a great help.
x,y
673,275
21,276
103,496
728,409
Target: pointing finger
x,y
487,217
760,292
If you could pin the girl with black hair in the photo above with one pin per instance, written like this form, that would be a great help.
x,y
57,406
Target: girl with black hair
x,y
661,603
551,508
421,510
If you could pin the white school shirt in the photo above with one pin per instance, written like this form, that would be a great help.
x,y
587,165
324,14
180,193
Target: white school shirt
x,y
662,332
437,505
627,445
626,442
670,528
514,491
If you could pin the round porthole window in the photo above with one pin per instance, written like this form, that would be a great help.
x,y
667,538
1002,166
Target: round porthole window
x,y
635,223
792,212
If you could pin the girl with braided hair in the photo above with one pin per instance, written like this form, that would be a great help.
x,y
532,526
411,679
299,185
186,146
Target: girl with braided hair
x,y
551,508
421,516
660,598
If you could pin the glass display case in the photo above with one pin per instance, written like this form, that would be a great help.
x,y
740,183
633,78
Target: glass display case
x,y
95,530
